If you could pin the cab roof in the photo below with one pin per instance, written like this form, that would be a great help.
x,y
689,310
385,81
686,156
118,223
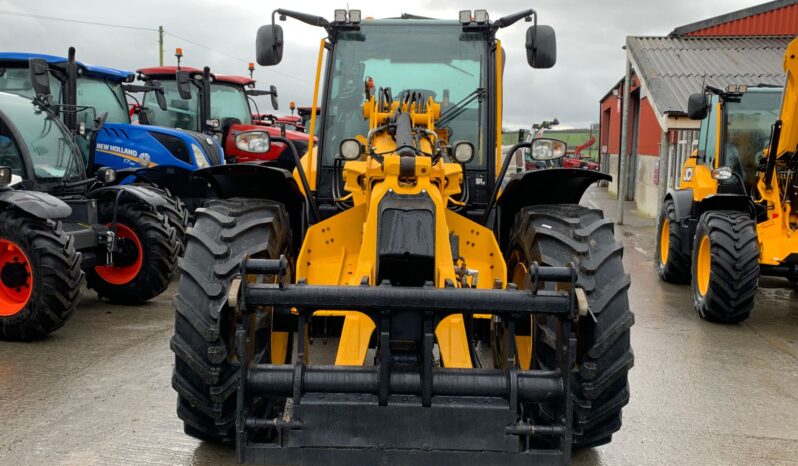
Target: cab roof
x,y
161,71
103,72
169,71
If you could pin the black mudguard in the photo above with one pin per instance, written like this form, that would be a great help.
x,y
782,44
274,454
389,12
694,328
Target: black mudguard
x,y
141,193
536,187
257,181
38,204
737,202
682,201
179,181
253,181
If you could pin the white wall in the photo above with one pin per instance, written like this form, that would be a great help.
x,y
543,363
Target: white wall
x,y
645,189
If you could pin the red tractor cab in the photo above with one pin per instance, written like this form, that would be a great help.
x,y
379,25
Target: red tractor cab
x,y
220,106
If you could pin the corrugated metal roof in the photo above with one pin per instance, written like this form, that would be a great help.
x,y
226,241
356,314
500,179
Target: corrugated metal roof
x,y
672,68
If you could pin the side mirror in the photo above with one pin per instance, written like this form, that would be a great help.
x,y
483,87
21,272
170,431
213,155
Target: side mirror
x,y
99,122
269,45
183,85
697,106
159,95
273,92
541,46
39,76
106,175
548,149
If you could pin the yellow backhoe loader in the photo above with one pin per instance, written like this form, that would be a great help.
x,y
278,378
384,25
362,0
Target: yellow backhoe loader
x,y
731,219
470,322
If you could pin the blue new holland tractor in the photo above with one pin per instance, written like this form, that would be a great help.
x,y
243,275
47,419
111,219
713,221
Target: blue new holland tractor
x,y
159,157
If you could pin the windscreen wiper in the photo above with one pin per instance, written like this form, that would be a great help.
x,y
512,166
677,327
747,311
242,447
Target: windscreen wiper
x,y
457,109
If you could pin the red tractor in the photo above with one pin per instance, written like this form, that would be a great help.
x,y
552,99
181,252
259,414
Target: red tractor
x,y
220,106
575,159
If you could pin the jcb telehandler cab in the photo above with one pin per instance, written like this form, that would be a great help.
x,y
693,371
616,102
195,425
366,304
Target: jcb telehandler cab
x,y
469,327
731,219
56,224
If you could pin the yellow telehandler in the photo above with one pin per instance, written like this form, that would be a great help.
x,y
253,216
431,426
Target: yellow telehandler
x,y
731,219
470,323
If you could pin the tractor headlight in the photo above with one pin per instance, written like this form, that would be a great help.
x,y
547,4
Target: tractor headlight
x,y
253,141
351,149
722,173
463,152
199,157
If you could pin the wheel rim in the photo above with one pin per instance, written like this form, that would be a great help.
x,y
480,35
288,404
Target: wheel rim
x,y
703,265
122,275
664,241
16,278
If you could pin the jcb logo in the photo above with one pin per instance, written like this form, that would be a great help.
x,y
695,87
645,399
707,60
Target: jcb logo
x,y
688,174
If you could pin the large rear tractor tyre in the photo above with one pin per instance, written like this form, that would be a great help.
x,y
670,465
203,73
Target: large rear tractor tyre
x,y
557,235
176,214
146,257
673,264
40,276
725,266
206,370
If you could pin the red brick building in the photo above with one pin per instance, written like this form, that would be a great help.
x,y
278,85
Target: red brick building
x,y
742,47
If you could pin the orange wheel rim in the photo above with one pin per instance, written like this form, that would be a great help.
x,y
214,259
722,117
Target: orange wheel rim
x,y
122,275
703,265
664,241
16,279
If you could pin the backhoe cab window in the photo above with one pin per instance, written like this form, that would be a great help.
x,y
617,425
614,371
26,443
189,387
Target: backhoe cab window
x,y
442,62
179,113
748,124
706,136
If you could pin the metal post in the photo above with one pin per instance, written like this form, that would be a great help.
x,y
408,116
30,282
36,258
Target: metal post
x,y
623,168
664,153
160,45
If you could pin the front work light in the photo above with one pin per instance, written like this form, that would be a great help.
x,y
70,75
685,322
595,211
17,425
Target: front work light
x,y
465,16
354,16
351,149
339,16
463,152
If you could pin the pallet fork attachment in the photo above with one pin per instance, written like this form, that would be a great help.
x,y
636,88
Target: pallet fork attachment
x,y
346,415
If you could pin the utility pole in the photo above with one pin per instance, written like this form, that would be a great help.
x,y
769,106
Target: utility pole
x,y
160,45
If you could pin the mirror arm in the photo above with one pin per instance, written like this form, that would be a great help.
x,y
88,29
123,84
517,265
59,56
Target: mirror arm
x,y
502,173
304,17
509,20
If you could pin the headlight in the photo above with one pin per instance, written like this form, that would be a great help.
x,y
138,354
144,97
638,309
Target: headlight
x,y
253,141
463,152
722,173
350,149
199,157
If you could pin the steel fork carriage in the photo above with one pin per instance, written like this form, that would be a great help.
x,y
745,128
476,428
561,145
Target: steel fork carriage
x,y
423,413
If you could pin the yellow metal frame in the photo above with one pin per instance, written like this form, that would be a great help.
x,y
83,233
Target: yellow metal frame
x,y
342,249
777,239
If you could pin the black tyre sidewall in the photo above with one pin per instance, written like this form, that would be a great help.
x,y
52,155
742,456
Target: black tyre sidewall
x,y
159,248
55,265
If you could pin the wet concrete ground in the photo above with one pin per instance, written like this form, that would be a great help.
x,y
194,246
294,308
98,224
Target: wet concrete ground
x,y
98,391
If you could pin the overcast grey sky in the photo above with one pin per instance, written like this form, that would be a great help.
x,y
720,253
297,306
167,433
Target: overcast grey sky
x,y
590,34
